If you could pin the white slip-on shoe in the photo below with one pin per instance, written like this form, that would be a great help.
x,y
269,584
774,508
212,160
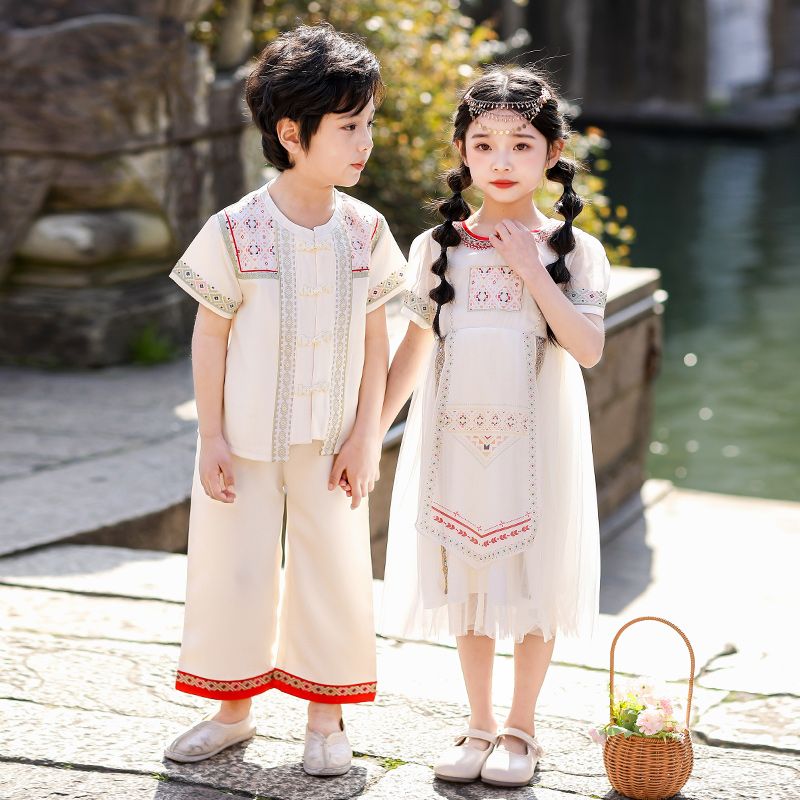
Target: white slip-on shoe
x,y
327,755
462,763
209,737
504,768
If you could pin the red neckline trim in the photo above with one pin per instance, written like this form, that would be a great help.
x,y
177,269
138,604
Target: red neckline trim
x,y
486,238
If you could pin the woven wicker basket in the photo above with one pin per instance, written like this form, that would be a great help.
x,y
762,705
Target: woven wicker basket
x,y
643,768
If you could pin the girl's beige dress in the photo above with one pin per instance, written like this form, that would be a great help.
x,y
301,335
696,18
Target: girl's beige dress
x,y
493,525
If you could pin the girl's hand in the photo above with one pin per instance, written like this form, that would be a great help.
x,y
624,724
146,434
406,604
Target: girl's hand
x,y
355,469
518,247
216,469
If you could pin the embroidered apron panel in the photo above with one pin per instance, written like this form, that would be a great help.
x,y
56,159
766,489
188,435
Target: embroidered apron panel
x,y
486,431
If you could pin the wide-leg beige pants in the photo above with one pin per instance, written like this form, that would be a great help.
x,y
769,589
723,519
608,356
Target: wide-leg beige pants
x,y
307,630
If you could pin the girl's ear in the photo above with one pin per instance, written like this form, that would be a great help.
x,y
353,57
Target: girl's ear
x,y
556,149
289,135
459,145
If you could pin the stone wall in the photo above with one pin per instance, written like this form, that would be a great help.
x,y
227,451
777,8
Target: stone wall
x,y
119,137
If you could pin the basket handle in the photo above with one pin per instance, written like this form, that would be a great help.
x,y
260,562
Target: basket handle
x,y
691,667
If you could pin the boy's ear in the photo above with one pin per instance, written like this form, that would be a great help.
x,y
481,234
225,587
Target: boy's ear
x,y
289,135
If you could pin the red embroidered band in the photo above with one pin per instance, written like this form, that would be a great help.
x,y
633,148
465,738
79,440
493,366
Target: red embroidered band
x,y
275,679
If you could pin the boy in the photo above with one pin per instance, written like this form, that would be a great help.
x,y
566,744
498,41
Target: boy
x,y
290,356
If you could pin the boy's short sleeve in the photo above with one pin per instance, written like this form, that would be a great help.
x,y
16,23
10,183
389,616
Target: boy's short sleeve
x,y
587,289
206,272
387,267
417,304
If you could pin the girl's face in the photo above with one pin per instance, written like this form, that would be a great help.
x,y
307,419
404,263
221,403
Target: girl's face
x,y
507,167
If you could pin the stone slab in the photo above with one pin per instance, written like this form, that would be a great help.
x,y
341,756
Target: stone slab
x,y
414,781
99,569
97,493
66,615
267,767
772,671
744,720
405,722
20,781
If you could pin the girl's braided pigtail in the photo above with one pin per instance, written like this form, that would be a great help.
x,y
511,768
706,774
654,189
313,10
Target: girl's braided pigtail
x,y
453,209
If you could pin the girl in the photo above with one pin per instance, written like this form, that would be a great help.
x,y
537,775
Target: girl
x,y
495,469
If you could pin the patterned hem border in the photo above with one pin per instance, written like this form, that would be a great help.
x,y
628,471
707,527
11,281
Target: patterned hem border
x,y
275,679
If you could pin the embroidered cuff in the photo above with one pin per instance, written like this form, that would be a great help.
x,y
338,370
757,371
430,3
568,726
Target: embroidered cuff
x,y
385,290
203,290
418,309
591,301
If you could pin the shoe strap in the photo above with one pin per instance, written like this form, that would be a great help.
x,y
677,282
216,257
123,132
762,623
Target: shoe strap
x,y
525,737
476,733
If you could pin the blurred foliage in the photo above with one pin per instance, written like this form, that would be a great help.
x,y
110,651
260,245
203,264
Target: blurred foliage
x,y
429,51
148,347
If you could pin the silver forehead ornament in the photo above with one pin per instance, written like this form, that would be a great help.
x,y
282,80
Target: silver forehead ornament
x,y
505,113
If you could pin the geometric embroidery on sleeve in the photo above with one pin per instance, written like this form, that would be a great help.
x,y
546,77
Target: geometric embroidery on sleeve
x,y
423,307
206,290
586,297
386,286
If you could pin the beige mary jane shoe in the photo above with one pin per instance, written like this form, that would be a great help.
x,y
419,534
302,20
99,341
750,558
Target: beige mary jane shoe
x,y
462,763
210,737
327,755
504,768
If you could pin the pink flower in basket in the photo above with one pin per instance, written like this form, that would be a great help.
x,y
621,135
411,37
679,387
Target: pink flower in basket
x,y
650,721
597,736
666,706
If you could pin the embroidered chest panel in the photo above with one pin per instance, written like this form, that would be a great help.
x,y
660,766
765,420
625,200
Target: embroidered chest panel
x,y
494,289
362,225
249,232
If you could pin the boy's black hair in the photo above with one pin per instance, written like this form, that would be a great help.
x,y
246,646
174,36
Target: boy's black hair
x,y
304,74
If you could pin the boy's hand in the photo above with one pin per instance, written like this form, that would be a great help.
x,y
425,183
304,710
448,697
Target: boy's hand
x,y
216,469
355,469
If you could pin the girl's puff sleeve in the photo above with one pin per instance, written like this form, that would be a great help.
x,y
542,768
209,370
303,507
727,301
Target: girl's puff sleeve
x,y
206,271
587,289
387,267
417,304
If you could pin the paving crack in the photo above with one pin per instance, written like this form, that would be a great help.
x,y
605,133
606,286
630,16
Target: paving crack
x,y
83,593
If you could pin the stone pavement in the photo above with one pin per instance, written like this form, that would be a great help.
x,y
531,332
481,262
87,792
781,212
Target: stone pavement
x,y
90,642
89,633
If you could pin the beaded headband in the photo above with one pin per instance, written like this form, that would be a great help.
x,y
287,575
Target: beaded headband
x,y
527,108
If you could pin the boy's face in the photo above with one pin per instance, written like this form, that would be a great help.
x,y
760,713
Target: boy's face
x,y
339,150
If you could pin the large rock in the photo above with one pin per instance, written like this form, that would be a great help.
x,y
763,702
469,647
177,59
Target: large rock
x,y
94,326
25,182
45,12
99,84
96,238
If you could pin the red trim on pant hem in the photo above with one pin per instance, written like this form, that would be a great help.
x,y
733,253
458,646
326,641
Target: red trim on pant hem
x,y
276,679
214,694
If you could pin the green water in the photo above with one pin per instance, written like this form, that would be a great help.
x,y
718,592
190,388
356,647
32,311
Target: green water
x,y
721,219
